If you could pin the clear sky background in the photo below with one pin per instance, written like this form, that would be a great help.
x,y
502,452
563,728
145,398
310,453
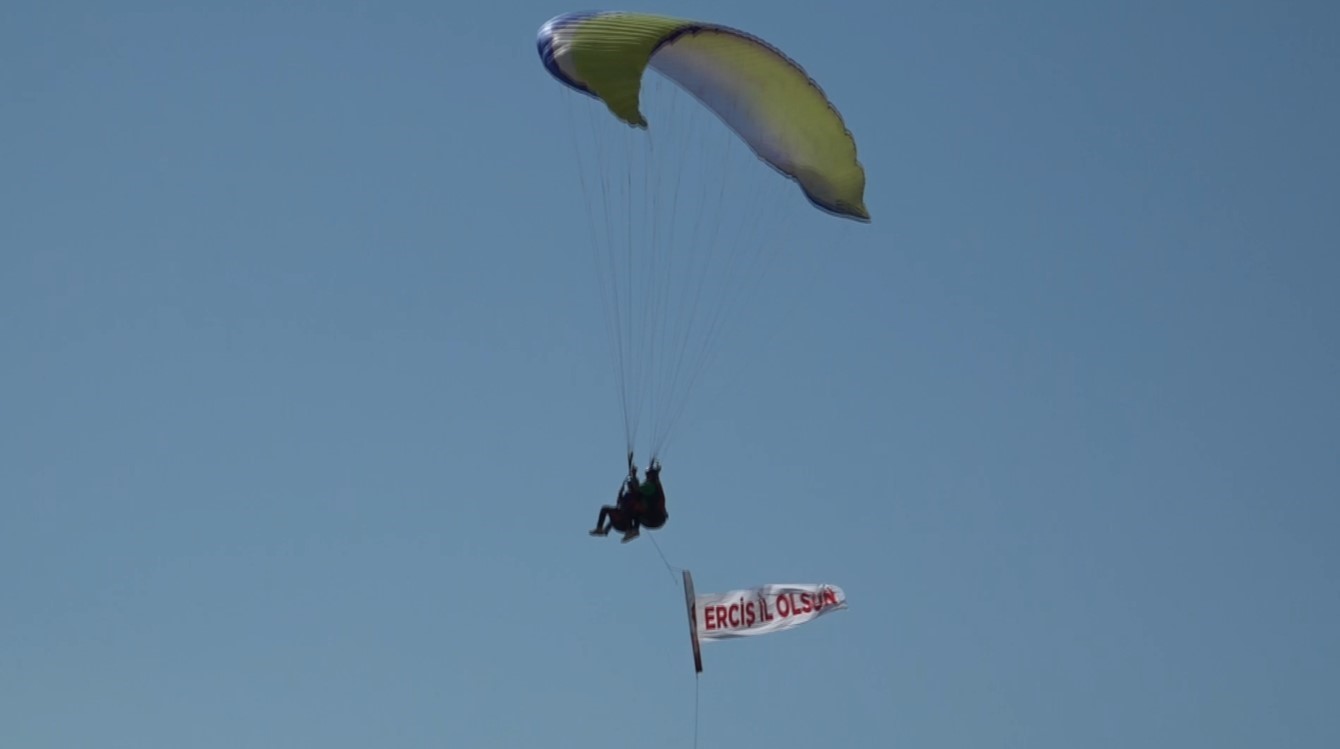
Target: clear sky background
x,y
306,411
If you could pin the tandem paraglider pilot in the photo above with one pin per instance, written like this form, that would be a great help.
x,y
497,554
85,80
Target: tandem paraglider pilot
x,y
640,504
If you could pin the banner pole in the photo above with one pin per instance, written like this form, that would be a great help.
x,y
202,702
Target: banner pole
x,y
691,605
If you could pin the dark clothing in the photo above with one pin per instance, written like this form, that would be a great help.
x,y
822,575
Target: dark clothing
x,y
651,502
619,519
638,504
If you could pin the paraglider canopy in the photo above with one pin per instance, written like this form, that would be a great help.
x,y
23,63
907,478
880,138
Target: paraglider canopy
x,y
762,95
672,124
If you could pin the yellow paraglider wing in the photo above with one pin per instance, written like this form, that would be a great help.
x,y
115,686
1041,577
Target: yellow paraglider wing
x,y
768,100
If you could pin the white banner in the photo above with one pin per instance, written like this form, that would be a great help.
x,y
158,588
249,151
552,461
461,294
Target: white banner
x,y
762,610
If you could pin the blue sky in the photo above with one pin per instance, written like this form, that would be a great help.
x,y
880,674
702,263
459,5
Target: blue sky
x,y
307,406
